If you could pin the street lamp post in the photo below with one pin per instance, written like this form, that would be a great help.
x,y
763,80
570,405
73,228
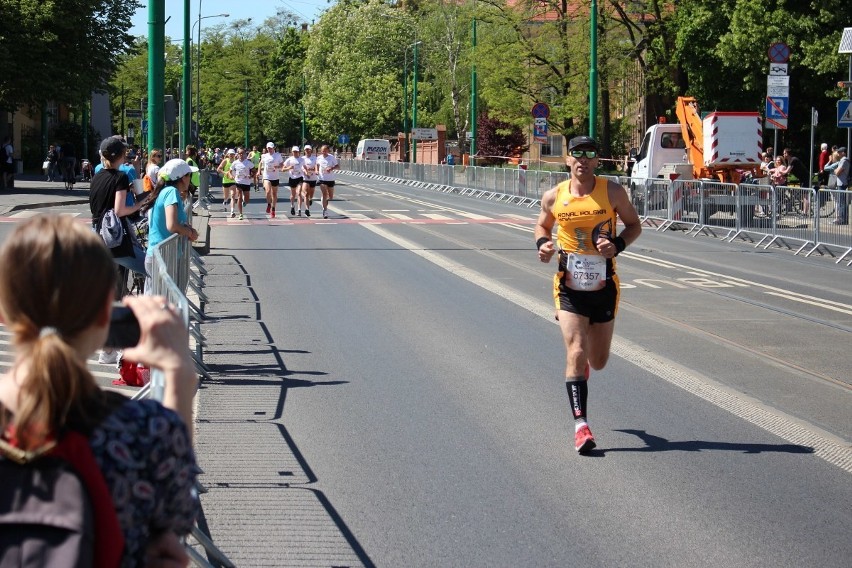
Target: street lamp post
x,y
247,116
198,70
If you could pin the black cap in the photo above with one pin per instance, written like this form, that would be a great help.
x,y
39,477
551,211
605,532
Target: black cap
x,y
112,147
842,149
582,142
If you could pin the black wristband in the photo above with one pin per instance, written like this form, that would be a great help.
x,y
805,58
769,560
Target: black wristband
x,y
541,241
620,245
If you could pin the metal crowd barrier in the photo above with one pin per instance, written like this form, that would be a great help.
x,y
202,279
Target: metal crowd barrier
x,y
764,214
508,183
798,218
177,267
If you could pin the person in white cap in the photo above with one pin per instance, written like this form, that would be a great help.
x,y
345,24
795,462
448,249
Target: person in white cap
x,y
295,165
241,169
166,211
309,184
270,166
326,165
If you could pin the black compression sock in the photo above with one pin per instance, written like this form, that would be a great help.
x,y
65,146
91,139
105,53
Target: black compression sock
x,y
578,392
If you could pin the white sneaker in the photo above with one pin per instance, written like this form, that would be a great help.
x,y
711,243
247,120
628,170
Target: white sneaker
x,y
108,357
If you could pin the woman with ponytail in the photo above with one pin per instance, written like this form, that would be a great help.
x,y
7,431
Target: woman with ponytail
x,y
56,296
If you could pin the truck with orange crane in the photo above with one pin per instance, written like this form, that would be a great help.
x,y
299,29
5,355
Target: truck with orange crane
x,y
719,147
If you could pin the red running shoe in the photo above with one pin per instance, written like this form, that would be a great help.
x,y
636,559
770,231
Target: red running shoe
x,y
268,207
273,213
584,442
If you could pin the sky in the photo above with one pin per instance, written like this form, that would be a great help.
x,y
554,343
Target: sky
x,y
257,9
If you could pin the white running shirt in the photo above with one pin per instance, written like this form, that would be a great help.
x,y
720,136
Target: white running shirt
x,y
323,165
309,164
270,165
297,164
241,171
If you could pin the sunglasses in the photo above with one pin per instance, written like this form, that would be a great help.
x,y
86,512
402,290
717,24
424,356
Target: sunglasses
x,y
587,153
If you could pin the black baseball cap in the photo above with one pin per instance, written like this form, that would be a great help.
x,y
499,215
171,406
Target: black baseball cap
x,y
582,142
112,147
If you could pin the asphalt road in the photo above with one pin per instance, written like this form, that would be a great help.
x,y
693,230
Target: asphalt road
x,y
422,388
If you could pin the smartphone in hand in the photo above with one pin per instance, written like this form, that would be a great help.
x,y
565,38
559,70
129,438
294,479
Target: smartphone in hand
x,y
123,328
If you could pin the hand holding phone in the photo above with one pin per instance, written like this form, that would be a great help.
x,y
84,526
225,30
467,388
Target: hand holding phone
x,y
124,328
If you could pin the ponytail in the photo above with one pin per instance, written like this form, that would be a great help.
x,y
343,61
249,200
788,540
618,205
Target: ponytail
x,y
62,291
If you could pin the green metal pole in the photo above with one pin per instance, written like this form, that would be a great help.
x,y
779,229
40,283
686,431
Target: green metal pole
x,y
473,95
156,72
186,81
593,72
303,110
414,104
405,105
247,126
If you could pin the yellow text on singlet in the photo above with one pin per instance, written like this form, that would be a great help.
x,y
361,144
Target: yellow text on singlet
x,y
583,219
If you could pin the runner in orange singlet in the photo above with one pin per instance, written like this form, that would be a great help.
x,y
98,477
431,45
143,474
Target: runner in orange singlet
x,y
585,287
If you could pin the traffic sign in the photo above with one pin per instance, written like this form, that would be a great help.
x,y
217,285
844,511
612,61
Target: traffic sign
x,y
778,81
777,91
540,130
777,107
540,110
342,139
777,68
424,133
779,52
144,126
133,112
844,114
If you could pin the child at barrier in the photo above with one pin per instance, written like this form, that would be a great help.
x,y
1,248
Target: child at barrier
x,y
58,311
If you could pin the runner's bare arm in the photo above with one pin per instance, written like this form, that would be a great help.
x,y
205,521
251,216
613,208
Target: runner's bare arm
x,y
544,226
626,212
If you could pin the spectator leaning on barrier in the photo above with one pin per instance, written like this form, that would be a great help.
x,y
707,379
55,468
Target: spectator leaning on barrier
x,y
110,189
58,311
167,212
840,168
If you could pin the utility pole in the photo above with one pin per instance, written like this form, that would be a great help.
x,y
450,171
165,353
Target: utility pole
x,y
186,82
593,72
473,95
304,139
414,111
156,69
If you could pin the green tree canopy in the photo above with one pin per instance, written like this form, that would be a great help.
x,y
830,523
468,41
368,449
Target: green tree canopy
x,y
60,50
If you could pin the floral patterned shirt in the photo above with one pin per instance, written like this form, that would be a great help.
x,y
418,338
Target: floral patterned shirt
x,y
145,455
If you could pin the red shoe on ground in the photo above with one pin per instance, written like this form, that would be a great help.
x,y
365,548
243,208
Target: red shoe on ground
x,y
268,207
584,442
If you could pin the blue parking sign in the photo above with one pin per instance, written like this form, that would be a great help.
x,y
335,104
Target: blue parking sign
x,y
777,107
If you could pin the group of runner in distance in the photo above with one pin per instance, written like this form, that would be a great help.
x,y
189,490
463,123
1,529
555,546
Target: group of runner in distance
x,y
241,169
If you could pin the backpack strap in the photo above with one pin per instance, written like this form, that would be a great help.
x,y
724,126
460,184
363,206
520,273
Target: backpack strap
x,y
74,448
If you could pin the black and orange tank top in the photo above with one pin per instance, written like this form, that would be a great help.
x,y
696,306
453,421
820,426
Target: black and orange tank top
x,y
583,219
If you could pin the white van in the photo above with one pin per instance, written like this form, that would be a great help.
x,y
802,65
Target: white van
x,y
372,149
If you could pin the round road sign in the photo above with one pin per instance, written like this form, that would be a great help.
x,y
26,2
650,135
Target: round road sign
x,y
779,52
540,110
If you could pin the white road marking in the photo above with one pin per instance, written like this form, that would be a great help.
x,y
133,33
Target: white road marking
x,y
826,445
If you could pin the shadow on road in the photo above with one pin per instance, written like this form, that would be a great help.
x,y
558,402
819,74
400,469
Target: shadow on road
x,y
658,444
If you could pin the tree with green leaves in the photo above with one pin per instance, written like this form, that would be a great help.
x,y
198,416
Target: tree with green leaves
x,y
61,51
